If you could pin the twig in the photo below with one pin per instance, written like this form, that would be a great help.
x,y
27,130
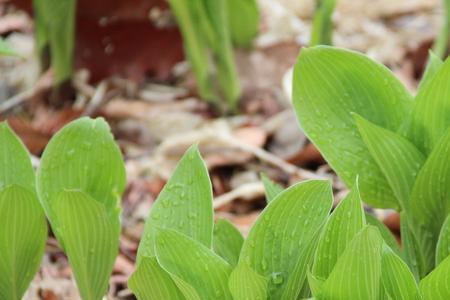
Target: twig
x,y
45,82
245,191
97,98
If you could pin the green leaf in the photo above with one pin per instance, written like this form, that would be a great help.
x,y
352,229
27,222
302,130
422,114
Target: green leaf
x,y
82,156
436,286
192,264
5,49
272,188
430,205
244,284
283,232
227,241
345,222
411,250
151,282
429,119
443,245
184,204
398,281
15,161
357,272
322,27
315,283
91,240
387,235
398,159
434,64
22,237
56,26
243,18
330,84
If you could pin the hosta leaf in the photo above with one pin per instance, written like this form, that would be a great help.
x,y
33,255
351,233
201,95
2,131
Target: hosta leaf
x,y
387,235
151,282
345,222
315,283
22,239
91,240
411,250
243,19
434,64
56,25
330,84
322,28
397,279
191,263
82,156
357,272
15,161
443,245
429,119
227,241
244,284
436,286
398,159
430,204
284,230
271,188
184,204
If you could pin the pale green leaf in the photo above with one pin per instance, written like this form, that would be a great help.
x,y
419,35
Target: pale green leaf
x,y
345,222
434,64
243,18
227,241
184,204
91,240
443,245
82,156
322,27
151,282
191,263
22,238
271,188
329,84
398,159
283,232
356,274
315,283
411,249
429,119
387,235
436,286
397,279
245,284
15,161
430,204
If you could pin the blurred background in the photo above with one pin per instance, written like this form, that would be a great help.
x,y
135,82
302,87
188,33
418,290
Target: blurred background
x,y
166,75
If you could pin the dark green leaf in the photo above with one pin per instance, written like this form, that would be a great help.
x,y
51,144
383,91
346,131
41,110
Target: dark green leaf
x,y
387,235
243,18
443,245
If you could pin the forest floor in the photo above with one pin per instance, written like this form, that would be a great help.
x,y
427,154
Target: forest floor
x,y
154,121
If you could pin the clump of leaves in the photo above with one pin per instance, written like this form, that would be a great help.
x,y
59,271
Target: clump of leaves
x,y
366,124
295,250
24,230
208,29
55,34
80,182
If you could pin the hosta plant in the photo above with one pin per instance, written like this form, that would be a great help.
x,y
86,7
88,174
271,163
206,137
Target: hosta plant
x,y
78,187
367,125
295,250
